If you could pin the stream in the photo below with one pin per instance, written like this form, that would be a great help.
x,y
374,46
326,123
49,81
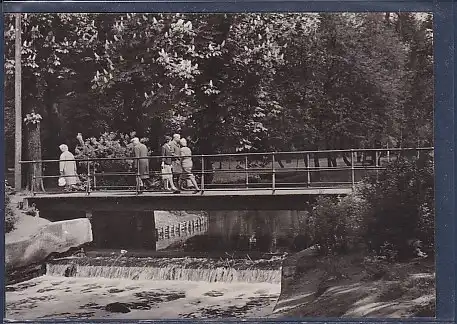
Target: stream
x,y
124,287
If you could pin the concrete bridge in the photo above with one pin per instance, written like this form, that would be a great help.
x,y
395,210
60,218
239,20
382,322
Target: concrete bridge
x,y
274,181
212,200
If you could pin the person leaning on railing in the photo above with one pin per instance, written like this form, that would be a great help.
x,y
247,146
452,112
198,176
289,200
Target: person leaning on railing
x,y
187,164
167,173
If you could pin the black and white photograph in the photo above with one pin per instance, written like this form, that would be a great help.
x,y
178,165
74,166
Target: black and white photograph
x,y
219,166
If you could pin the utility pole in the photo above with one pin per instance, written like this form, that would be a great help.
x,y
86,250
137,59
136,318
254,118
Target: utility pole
x,y
18,105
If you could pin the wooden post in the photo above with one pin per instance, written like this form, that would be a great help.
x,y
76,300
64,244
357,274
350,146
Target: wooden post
x,y
18,105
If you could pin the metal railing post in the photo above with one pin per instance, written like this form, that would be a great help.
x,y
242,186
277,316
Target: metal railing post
x,y
376,164
308,172
246,170
137,179
88,178
352,170
202,180
273,172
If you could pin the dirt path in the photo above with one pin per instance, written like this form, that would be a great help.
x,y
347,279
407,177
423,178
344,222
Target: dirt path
x,y
356,286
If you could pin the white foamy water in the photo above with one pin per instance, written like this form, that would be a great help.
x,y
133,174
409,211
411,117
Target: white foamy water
x,y
52,297
219,274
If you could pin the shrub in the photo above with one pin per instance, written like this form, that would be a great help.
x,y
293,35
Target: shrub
x,y
108,145
335,223
10,217
401,201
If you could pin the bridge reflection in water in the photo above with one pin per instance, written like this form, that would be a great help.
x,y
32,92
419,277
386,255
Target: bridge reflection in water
x,y
254,200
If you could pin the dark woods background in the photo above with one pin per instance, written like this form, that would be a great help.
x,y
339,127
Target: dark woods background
x,y
241,82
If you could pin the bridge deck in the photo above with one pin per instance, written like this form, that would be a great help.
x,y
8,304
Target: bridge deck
x,y
209,193
280,199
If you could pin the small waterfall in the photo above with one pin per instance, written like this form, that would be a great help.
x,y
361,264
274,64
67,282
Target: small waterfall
x,y
218,274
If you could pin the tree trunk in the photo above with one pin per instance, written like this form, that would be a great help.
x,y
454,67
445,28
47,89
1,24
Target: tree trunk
x,y
316,160
317,174
346,160
331,160
280,163
35,170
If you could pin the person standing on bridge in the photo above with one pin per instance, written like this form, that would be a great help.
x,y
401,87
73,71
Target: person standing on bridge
x,y
142,163
167,173
67,168
187,164
176,152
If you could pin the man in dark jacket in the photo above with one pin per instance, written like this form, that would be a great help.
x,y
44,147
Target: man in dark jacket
x,y
167,160
142,164
176,161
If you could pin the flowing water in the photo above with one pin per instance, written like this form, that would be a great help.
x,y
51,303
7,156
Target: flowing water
x,y
148,288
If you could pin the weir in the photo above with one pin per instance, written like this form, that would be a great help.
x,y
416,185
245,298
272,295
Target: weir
x,y
149,288
181,269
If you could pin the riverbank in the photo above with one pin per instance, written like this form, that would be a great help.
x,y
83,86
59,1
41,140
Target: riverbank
x,y
25,224
355,286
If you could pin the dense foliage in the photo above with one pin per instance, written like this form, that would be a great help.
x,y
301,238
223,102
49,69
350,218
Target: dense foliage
x,y
336,224
230,82
10,218
391,215
103,149
402,206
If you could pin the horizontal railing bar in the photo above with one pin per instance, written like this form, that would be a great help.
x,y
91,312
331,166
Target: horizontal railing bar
x,y
238,154
264,183
253,171
258,170
222,189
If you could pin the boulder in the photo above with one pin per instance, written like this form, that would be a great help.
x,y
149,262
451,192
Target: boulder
x,y
55,237
117,308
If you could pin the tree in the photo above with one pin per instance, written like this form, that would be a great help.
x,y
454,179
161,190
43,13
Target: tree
x,y
229,82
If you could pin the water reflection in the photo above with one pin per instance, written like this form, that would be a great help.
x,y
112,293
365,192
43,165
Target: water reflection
x,y
257,231
224,231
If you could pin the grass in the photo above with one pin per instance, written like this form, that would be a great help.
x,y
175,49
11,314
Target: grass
x,y
288,174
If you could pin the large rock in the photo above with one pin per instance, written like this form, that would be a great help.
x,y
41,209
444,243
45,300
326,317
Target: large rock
x,y
56,237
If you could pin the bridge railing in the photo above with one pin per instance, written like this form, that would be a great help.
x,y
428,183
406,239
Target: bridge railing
x,y
239,171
